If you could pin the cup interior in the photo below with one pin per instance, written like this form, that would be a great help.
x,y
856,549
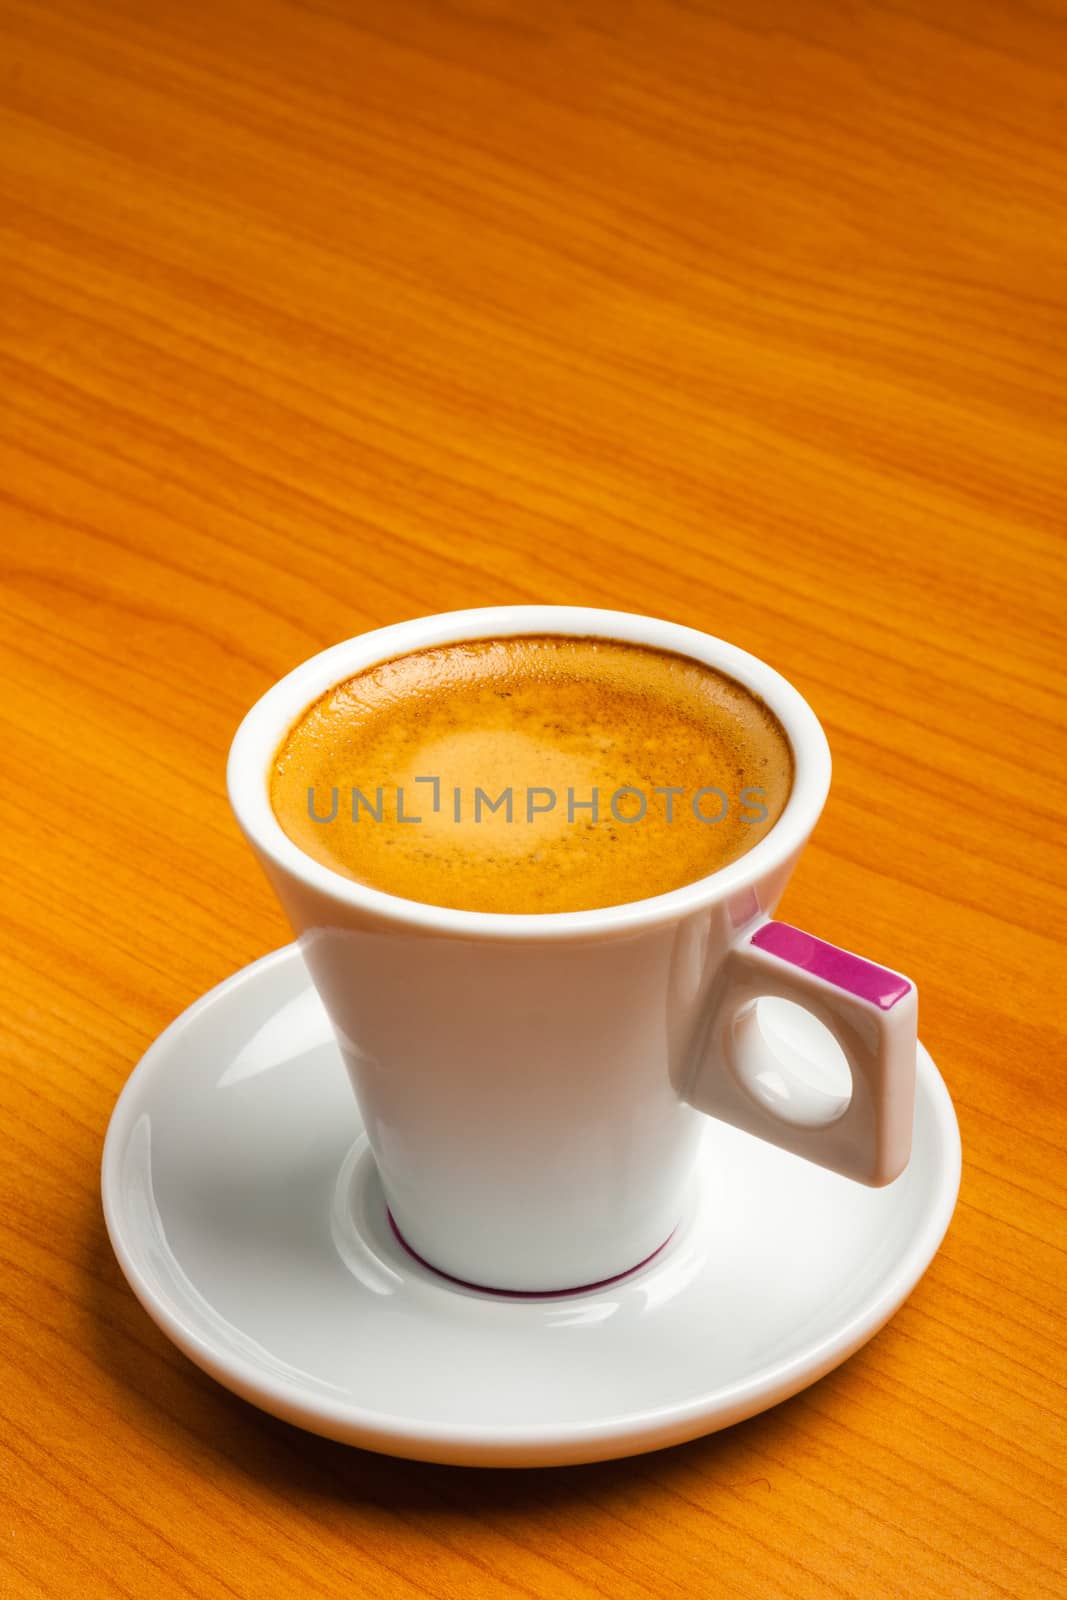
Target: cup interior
x,y
267,723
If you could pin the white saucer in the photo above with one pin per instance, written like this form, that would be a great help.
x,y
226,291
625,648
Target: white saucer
x,y
246,1212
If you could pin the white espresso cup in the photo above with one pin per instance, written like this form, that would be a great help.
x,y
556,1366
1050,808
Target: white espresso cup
x,y
534,1086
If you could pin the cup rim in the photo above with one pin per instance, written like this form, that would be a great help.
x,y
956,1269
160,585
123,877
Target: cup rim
x,y
268,721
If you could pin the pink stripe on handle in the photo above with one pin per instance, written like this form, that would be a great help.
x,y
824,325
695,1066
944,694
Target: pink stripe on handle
x,y
845,971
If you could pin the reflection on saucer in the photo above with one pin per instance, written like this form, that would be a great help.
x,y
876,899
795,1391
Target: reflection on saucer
x,y
170,1280
295,1030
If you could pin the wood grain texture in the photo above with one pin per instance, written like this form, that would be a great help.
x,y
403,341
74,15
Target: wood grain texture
x,y
314,316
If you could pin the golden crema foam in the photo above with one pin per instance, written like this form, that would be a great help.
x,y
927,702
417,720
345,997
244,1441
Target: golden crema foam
x,y
542,773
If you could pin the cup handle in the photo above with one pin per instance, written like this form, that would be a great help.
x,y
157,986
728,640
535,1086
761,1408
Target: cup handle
x,y
745,1079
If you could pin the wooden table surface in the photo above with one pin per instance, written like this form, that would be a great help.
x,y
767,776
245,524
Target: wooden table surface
x,y
318,316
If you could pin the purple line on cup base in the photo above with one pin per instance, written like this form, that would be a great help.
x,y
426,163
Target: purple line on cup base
x,y
525,1294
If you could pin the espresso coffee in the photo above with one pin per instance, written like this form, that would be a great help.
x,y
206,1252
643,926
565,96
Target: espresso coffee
x,y
532,774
